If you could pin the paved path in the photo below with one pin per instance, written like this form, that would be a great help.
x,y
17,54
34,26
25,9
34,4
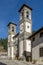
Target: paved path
x,y
15,62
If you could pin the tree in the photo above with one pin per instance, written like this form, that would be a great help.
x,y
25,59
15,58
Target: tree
x,y
3,42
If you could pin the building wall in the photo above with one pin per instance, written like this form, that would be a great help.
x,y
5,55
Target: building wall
x,y
11,34
25,31
10,29
10,38
35,52
21,48
16,46
22,28
36,45
24,10
28,45
28,27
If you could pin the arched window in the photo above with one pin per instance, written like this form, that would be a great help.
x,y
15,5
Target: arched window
x,y
13,29
27,14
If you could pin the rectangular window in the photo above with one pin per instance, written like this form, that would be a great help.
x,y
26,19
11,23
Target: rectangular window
x,y
41,52
41,34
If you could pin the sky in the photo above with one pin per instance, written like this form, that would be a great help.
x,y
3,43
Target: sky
x,y
9,12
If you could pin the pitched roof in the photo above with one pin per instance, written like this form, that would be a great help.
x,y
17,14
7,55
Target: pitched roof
x,y
16,35
25,6
36,32
11,23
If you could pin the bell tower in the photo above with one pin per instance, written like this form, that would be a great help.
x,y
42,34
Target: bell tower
x,y
25,30
11,33
25,19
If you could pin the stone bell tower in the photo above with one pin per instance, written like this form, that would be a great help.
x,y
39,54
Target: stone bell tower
x,y
25,31
11,33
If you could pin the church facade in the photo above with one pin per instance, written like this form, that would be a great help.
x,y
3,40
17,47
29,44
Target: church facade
x,y
20,44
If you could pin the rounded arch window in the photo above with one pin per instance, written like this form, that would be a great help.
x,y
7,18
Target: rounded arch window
x,y
12,29
27,14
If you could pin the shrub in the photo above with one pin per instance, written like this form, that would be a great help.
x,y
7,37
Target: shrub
x,y
34,61
20,58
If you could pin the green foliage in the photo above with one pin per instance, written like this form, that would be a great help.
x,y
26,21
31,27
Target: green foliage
x,y
20,58
3,42
34,61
